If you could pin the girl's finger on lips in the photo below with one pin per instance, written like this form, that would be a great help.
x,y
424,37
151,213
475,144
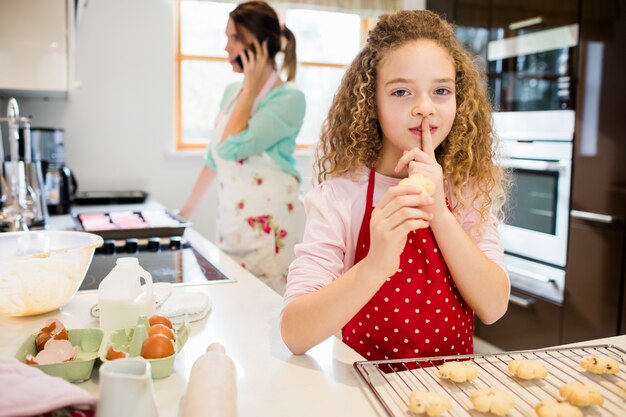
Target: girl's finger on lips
x,y
427,138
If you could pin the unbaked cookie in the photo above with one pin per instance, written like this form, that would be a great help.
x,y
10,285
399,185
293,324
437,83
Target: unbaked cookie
x,y
527,369
458,371
580,395
419,180
491,400
553,408
600,364
431,403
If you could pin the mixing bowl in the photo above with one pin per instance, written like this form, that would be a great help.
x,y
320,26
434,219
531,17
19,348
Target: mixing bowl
x,y
41,270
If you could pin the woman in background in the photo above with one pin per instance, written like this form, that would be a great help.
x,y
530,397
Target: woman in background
x,y
251,152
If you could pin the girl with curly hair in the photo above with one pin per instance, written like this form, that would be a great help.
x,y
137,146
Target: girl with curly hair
x,y
400,272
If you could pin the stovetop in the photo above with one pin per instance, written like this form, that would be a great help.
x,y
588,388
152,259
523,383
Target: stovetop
x,y
169,259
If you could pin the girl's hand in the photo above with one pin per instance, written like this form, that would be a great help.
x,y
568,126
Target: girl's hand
x,y
254,65
399,211
424,161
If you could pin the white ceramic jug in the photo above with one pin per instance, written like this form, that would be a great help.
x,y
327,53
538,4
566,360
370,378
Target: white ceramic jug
x,y
121,297
126,389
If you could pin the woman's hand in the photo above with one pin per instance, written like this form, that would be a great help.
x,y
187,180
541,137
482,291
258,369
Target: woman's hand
x,y
400,211
254,67
424,161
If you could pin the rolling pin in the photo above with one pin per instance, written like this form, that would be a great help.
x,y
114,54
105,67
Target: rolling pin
x,y
212,388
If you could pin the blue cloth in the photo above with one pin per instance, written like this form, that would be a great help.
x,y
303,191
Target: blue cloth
x,y
273,128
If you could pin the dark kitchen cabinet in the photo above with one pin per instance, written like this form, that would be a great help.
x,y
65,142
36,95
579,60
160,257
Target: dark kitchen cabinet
x,y
594,289
529,323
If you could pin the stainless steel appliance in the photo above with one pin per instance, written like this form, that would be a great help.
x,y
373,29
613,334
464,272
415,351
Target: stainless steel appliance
x,y
532,71
60,182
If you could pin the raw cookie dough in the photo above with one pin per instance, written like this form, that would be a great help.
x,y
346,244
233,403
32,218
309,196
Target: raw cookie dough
x,y
419,180
431,403
581,395
600,364
553,408
527,369
458,371
491,400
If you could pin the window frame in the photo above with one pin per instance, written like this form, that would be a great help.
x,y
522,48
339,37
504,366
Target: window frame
x,y
367,22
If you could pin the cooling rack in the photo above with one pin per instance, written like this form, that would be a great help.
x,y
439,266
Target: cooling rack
x,y
392,381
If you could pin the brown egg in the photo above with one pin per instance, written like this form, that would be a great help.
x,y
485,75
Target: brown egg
x,y
157,346
53,329
156,319
161,329
114,354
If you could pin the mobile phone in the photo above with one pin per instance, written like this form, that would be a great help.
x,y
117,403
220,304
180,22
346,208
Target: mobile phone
x,y
246,51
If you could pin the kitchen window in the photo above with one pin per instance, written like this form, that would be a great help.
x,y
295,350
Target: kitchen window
x,y
327,41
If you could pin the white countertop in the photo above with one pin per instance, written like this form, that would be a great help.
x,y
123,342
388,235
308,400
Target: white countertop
x,y
245,319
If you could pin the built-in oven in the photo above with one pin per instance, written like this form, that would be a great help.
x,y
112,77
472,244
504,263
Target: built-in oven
x,y
537,149
534,70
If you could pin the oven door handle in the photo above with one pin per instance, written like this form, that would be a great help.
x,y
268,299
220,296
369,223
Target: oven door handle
x,y
594,217
521,301
535,165
532,275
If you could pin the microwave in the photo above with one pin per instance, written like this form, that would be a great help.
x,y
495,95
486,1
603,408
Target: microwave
x,y
533,71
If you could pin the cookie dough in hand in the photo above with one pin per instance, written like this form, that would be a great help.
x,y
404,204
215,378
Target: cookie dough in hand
x,y
491,400
430,403
458,371
527,369
580,395
600,364
419,180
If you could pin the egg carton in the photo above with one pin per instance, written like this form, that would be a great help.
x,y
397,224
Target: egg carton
x,y
93,344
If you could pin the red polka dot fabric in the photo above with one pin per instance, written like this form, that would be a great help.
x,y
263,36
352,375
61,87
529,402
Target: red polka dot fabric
x,y
418,312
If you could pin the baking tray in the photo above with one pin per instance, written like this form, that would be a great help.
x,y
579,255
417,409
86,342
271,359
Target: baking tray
x,y
145,232
92,198
392,381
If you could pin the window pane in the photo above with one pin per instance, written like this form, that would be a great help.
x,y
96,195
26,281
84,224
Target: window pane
x,y
319,85
203,26
202,86
325,37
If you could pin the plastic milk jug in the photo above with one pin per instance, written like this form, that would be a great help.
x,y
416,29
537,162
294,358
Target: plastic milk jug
x,y
121,297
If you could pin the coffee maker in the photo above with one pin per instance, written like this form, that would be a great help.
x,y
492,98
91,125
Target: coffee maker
x,y
60,182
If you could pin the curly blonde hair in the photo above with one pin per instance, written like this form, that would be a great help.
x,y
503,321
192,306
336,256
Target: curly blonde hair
x,y
351,136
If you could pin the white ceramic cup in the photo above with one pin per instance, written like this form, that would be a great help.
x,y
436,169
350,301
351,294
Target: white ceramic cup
x,y
126,389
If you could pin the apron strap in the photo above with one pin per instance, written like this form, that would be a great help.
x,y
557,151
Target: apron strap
x,y
362,243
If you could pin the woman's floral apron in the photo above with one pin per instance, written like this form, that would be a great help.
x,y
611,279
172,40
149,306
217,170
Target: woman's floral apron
x,y
259,208
418,312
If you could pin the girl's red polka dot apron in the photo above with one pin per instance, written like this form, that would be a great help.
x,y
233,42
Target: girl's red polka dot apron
x,y
418,312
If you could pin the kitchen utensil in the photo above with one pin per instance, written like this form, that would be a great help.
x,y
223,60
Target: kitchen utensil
x,y
126,389
22,202
41,270
127,224
392,381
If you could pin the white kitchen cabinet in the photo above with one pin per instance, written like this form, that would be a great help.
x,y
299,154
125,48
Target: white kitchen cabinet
x,y
36,44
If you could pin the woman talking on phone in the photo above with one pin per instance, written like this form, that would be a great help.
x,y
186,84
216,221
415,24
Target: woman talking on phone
x,y
251,152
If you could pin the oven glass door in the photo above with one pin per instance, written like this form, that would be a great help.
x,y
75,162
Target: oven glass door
x,y
537,217
533,200
533,72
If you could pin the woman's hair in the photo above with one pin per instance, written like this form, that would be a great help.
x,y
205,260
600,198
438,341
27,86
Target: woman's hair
x,y
260,19
351,136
